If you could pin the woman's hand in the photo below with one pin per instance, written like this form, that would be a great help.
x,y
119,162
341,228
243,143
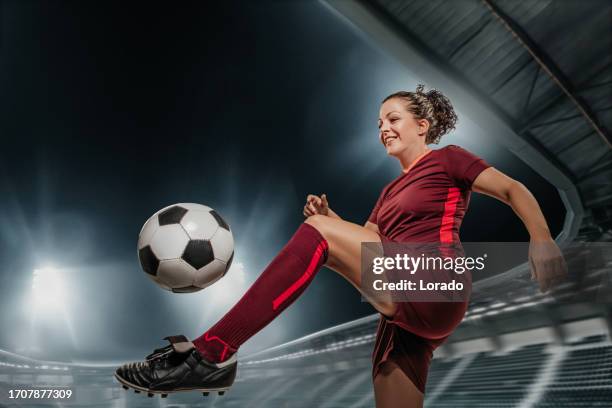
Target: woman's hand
x,y
316,205
547,264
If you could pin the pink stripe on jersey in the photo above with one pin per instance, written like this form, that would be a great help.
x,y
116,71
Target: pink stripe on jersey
x,y
448,219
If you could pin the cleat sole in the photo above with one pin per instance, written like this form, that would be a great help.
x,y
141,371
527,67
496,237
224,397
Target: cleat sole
x,y
164,394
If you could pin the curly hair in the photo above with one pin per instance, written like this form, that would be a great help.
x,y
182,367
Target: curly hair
x,y
432,106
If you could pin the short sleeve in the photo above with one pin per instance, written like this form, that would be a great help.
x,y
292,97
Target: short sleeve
x,y
462,166
373,218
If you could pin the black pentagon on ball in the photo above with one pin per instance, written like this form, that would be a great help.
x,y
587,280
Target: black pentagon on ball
x,y
198,253
148,260
220,220
172,215
186,289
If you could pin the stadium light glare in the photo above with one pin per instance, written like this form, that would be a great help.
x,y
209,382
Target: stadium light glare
x,y
47,289
228,290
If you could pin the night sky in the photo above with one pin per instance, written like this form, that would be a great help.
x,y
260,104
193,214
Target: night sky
x,y
110,111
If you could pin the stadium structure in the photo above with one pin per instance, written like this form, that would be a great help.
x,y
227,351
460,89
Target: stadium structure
x,y
497,358
537,76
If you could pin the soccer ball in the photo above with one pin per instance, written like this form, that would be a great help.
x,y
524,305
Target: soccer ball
x,y
185,247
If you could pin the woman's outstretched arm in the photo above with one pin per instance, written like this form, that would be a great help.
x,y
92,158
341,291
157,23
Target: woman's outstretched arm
x,y
546,260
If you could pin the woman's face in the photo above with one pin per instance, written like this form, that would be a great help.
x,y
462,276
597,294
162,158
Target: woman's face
x,y
398,128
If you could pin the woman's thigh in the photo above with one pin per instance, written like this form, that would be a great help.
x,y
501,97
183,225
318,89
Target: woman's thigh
x,y
344,255
393,389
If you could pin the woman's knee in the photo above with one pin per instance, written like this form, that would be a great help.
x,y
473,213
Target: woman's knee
x,y
319,222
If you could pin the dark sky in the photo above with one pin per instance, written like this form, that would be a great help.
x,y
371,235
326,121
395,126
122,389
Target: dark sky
x,y
110,111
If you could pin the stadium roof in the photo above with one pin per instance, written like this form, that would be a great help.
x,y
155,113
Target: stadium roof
x,y
535,76
538,75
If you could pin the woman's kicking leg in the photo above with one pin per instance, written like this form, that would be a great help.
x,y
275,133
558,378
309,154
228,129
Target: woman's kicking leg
x,y
212,367
320,239
344,240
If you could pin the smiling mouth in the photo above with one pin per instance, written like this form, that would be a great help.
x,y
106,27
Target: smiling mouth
x,y
389,139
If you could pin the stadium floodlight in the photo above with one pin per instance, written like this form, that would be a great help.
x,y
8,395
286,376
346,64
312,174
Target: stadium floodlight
x,y
48,289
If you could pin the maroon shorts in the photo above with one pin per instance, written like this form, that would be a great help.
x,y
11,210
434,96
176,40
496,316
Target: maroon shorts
x,y
410,336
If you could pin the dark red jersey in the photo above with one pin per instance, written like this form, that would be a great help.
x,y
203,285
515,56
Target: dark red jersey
x,y
426,204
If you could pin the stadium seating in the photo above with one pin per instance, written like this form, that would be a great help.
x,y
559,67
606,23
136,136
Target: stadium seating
x,y
584,379
494,380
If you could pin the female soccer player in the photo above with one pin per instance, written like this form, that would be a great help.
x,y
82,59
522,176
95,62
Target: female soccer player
x,y
425,203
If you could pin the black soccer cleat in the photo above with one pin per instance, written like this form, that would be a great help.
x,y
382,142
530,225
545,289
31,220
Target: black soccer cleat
x,y
177,367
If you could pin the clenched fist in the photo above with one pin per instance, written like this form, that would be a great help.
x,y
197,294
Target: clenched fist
x,y
316,205
548,266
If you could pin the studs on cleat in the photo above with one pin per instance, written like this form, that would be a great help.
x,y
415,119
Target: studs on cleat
x,y
125,387
136,391
150,395
221,392
205,393
164,395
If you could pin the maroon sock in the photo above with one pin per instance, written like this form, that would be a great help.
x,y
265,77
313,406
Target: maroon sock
x,y
280,284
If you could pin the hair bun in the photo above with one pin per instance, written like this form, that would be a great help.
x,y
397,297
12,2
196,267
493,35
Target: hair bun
x,y
444,116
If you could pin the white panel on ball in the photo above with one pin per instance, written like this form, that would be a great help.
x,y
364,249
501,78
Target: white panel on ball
x,y
223,244
209,274
176,273
147,232
169,241
199,224
194,207
159,282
